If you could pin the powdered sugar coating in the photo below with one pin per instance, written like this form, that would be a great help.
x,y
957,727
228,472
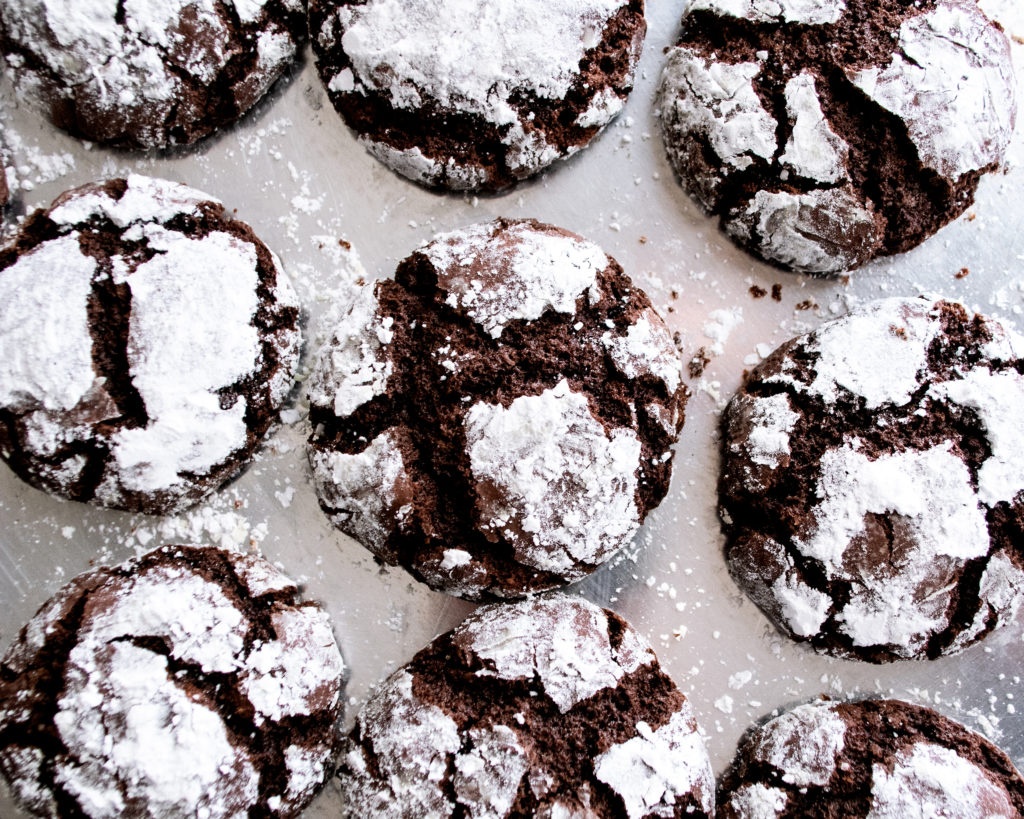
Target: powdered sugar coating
x,y
500,275
646,347
351,368
895,509
420,58
141,74
411,743
153,345
952,82
140,726
561,642
803,744
823,231
364,491
552,480
650,770
758,802
455,731
807,12
717,101
929,780
814,150
44,333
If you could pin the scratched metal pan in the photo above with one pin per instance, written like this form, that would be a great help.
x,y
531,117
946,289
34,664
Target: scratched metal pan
x,y
296,174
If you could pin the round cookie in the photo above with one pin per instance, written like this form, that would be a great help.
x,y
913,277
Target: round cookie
x,y
187,682
884,759
550,707
148,341
139,74
824,133
476,94
499,418
872,481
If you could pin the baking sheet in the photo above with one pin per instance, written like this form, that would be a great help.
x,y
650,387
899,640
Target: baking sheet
x,y
294,172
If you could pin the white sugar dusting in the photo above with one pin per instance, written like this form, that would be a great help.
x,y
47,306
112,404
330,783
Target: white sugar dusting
x,y
808,232
652,770
190,334
361,489
353,366
951,80
756,801
895,331
499,274
804,744
929,780
551,480
44,335
814,150
135,729
647,347
715,100
807,12
997,399
562,642
488,774
413,742
771,420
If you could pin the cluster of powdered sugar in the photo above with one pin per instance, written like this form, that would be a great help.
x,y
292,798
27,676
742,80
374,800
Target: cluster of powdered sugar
x,y
804,744
412,743
716,100
129,57
951,80
134,731
499,273
658,766
647,347
362,490
930,780
940,514
814,150
807,12
352,368
191,334
552,480
805,231
561,642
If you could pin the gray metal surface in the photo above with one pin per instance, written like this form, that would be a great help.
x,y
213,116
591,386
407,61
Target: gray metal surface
x,y
294,172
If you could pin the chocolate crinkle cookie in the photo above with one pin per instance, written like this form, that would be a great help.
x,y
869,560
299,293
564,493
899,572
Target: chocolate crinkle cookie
x,y
872,482
825,133
140,74
476,94
883,759
187,682
550,708
148,341
499,419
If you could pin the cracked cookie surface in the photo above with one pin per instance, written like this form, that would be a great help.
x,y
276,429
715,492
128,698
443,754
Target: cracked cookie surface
x,y
476,94
872,489
824,133
187,682
550,707
885,759
149,340
141,74
499,418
